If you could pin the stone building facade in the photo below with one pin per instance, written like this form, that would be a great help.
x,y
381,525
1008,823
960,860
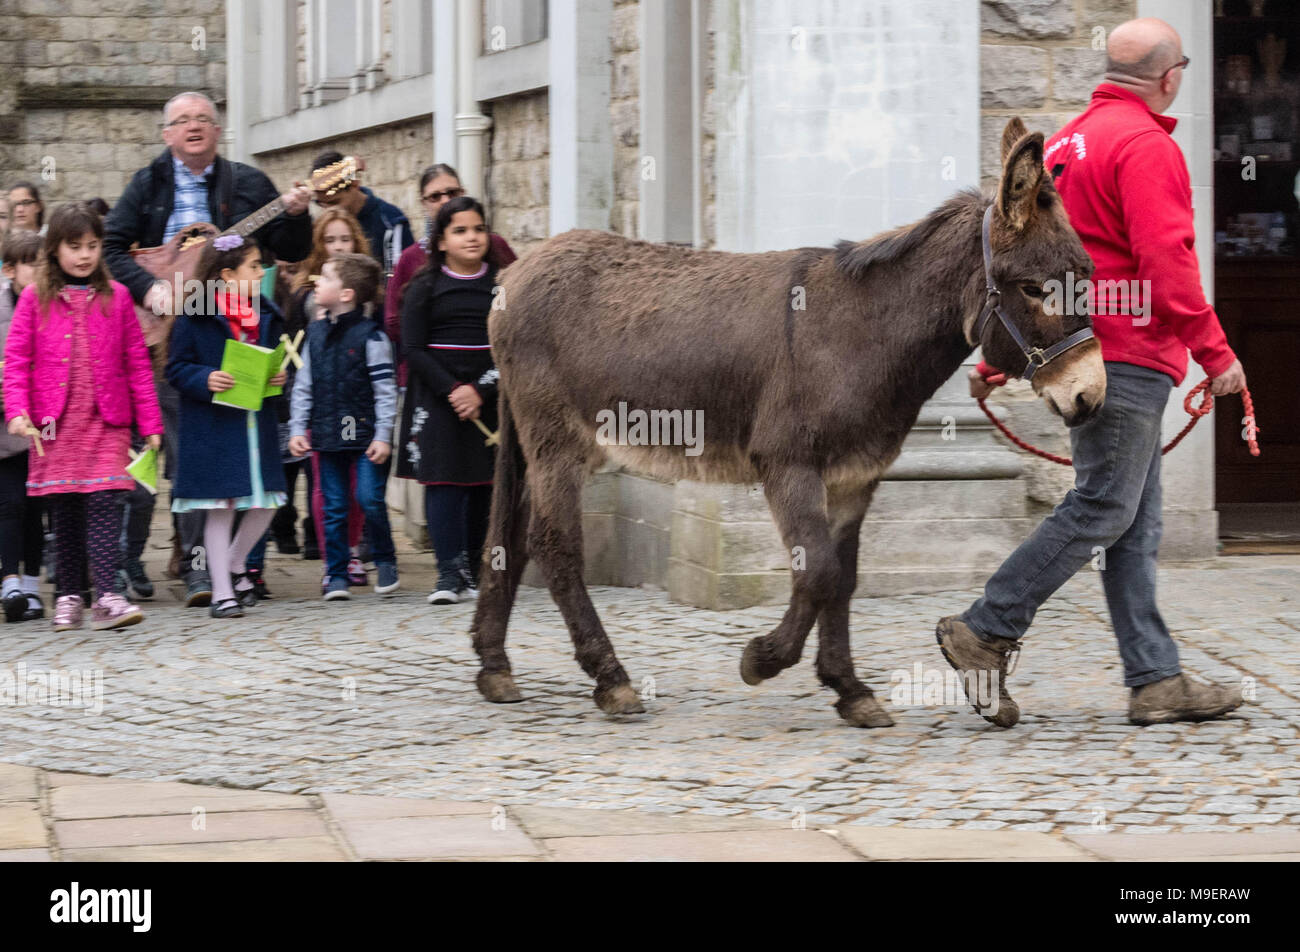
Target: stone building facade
x,y
85,82
732,124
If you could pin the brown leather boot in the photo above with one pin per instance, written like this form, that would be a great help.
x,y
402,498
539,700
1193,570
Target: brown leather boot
x,y
1180,699
174,563
966,651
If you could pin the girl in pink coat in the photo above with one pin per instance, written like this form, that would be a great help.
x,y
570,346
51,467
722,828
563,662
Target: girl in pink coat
x,y
76,364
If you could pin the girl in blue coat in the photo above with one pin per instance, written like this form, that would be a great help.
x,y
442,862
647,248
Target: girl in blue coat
x,y
229,458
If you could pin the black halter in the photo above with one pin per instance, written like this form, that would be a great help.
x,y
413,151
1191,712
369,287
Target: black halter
x,y
993,305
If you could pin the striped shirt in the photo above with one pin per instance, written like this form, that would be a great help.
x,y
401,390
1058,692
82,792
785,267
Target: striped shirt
x,y
190,199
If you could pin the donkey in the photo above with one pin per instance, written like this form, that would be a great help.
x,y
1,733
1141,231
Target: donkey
x,y
812,401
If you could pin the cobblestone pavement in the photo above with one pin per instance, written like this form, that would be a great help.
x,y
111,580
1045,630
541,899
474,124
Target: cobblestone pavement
x,y
376,696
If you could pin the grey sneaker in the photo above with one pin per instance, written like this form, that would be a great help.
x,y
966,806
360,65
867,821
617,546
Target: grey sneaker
x,y
387,579
1180,699
451,585
966,651
336,589
198,589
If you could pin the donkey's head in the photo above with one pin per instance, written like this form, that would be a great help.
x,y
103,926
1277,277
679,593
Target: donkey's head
x,y
1035,262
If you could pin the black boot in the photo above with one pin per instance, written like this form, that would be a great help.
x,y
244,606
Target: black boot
x,y
310,549
282,530
139,582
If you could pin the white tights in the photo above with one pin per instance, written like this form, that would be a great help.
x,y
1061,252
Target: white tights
x,y
227,554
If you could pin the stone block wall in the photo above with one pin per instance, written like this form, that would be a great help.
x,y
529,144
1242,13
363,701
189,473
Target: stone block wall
x,y
518,172
395,155
1039,59
625,116
85,82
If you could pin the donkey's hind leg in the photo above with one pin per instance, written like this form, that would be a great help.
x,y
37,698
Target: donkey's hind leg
x,y
857,704
555,542
797,499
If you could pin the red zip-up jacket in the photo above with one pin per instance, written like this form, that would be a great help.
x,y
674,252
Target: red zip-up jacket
x,y
1125,186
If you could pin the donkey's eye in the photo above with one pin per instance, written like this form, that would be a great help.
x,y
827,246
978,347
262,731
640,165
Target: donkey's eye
x,y
1033,291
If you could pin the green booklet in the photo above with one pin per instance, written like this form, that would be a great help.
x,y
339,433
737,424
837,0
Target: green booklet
x,y
252,367
144,470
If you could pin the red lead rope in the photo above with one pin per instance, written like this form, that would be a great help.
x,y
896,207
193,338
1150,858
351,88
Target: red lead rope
x,y
1207,404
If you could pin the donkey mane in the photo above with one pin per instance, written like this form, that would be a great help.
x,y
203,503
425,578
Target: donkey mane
x,y
855,258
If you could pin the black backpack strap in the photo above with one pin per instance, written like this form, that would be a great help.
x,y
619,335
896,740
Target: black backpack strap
x,y
225,191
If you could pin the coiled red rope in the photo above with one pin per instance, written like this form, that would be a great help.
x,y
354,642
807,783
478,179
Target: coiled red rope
x,y
1207,404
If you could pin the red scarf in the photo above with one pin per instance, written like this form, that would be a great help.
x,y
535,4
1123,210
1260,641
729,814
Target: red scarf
x,y
243,319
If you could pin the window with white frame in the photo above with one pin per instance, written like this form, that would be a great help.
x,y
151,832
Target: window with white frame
x,y
511,23
350,46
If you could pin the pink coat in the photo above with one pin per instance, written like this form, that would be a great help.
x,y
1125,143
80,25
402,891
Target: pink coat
x,y
37,370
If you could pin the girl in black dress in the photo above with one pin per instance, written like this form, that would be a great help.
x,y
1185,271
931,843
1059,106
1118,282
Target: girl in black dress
x,y
452,382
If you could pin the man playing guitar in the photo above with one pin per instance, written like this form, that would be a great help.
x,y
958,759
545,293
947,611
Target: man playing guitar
x,y
188,185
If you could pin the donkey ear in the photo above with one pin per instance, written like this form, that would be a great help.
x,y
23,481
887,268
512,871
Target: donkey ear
x,y
1022,175
1013,133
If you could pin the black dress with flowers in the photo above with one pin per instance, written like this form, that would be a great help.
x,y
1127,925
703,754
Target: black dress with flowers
x,y
445,340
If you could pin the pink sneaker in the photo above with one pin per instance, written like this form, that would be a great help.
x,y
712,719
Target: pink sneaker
x,y
356,573
67,613
114,611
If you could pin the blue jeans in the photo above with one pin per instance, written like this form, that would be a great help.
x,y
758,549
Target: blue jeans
x,y
335,477
1114,506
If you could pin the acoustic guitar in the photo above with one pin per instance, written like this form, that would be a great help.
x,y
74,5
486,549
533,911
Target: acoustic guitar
x,y
180,255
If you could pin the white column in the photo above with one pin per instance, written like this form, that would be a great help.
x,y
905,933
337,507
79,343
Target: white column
x,y
1191,523
375,62
444,84
668,122
471,125
582,148
237,87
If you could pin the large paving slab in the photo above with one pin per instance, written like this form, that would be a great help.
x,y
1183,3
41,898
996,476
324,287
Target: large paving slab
x,y
124,798
776,846
375,698
438,837
215,827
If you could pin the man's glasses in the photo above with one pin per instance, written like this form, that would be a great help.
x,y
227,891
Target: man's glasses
x,y
1181,64
434,197
186,120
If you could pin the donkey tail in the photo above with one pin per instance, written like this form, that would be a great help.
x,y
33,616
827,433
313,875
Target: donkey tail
x,y
504,558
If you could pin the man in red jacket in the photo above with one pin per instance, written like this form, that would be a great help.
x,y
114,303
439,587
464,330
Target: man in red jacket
x,y
1125,186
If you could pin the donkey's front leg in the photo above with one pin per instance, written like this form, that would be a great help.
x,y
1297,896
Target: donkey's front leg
x,y
845,508
797,499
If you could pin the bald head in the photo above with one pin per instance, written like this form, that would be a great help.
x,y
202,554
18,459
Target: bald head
x,y
1143,49
1141,56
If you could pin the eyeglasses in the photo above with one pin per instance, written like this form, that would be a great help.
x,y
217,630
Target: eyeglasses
x,y
1181,64
23,203
186,120
434,197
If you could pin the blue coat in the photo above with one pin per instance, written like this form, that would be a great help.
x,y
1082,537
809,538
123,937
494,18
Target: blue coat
x,y
213,440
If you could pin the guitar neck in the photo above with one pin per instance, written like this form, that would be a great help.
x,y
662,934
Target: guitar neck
x,y
248,225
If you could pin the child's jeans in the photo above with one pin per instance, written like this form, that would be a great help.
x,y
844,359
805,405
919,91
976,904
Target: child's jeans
x,y
335,471
316,500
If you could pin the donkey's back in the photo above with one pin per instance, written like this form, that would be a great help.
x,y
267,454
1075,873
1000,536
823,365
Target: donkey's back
x,y
594,327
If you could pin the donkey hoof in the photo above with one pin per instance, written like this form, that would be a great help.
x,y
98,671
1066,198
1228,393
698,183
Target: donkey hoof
x,y
620,699
755,669
863,711
498,687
